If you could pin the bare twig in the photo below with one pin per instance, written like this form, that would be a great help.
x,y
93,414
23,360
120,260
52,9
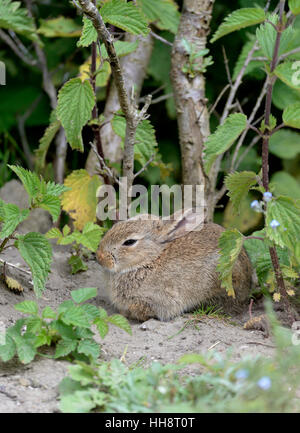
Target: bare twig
x,y
103,165
144,168
161,39
25,58
212,109
289,53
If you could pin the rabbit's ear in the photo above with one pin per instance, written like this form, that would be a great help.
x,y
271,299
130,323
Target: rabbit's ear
x,y
182,223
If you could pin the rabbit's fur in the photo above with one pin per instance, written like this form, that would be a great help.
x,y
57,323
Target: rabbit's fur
x,y
170,269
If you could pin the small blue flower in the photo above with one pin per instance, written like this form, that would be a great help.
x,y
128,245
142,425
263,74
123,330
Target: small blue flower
x,y
274,224
256,206
267,196
265,383
242,374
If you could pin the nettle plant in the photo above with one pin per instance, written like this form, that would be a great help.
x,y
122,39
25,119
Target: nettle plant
x,y
34,248
275,250
68,329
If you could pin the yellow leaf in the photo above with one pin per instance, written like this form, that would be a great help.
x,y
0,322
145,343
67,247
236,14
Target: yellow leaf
x,y
13,285
80,202
276,297
102,76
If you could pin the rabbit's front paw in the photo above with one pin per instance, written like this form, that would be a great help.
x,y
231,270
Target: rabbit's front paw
x,y
138,310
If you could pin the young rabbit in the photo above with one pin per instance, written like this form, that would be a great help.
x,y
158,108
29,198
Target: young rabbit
x,y
162,268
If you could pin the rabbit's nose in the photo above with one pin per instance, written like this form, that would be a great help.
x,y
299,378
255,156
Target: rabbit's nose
x,y
105,259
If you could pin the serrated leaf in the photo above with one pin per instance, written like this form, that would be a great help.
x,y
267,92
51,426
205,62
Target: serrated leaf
x,y
230,244
76,316
33,325
27,307
285,184
76,100
163,13
285,144
7,350
266,36
65,331
243,221
82,295
64,347
284,95
239,184
53,233
239,19
289,272
91,235
291,115
66,230
44,143
77,402
48,313
81,201
15,18
55,189
59,27
221,140
37,253
289,73
89,347
102,327
145,140
13,216
26,352
50,203
30,180
287,212
103,73
91,311
294,5
88,33
126,16
77,264
121,322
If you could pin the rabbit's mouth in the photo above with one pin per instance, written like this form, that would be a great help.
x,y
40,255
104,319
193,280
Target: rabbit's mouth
x,y
106,259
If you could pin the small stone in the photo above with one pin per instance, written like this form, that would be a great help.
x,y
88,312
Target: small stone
x,y
24,382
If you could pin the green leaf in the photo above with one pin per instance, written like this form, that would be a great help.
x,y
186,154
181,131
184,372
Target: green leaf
x,y
30,180
13,216
239,184
102,327
285,144
48,313
76,316
89,347
59,27
126,16
64,330
221,140
91,311
51,204
34,325
53,233
15,18
76,263
55,189
76,100
294,5
82,295
145,141
64,347
230,244
291,115
37,253
164,13
27,307
122,48
287,212
77,402
7,350
284,95
120,322
285,184
239,19
289,73
91,235
45,141
88,34
26,352
253,66
266,36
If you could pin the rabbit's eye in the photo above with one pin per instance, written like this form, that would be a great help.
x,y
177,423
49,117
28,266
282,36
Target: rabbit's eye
x,y
129,242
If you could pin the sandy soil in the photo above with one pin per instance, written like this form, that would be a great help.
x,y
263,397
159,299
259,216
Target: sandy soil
x,y
34,387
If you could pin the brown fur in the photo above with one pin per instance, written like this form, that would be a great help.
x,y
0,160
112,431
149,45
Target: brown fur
x,y
168,271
